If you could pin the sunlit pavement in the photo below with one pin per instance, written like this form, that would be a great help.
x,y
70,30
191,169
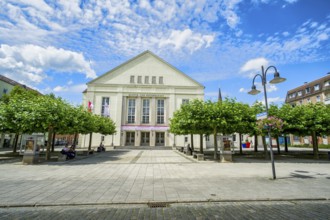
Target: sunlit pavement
x,y
159,176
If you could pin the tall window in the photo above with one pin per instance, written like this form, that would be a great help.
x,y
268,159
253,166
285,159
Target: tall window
x,y
308,90
161,80
131,111
140,79
145,111
318,98
153,80
160,111
146,79
105,109
132,79
300,93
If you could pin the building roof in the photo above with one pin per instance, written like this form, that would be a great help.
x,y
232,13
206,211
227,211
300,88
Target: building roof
x,y
14,83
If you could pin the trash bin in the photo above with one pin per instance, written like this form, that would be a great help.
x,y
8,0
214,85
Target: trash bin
x,y
248,144
244,145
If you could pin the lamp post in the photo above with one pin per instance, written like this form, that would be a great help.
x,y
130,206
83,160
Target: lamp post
x,y
254,91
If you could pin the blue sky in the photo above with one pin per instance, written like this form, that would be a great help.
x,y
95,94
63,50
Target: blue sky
x,y
59,46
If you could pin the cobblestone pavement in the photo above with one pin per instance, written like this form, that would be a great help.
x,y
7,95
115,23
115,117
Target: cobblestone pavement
x,y
224,210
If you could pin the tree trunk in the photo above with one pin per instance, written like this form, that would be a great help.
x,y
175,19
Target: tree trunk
x,y
240,143
201,144
192,142
75,139
265,147
15,142
2,141
278,145
315,145
215,144
255,143
50,132
90,141
286,143
53,141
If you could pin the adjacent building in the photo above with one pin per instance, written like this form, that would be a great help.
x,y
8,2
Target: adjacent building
x,y
140,96
6,85
312,92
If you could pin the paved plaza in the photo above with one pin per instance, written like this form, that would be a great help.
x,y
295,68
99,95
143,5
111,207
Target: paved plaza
x,y
160,177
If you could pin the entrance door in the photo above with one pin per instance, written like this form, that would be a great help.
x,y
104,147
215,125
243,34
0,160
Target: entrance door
x,y
145,138
160,138
130,138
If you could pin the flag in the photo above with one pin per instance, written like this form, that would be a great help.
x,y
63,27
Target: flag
x,y
90,106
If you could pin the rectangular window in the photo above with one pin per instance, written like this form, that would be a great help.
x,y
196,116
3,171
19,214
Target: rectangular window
x,y
317,87
185,101
318,98
327,83
132,79
140,79
154,80
308,100
296,138
207,138
131,111
160,111
308,90
300,93
145,111
146,79
161,80
105,109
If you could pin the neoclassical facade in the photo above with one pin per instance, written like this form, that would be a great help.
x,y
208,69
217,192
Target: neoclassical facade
x,y
140,96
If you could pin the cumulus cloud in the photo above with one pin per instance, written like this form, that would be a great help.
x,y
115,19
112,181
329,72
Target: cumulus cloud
x,y
254,64
30,63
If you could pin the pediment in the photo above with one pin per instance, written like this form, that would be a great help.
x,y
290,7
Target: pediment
x,y
145,69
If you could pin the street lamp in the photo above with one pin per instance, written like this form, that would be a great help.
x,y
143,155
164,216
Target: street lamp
x,y
254,91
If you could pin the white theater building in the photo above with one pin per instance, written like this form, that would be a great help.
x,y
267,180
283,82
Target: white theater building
x,y
140,96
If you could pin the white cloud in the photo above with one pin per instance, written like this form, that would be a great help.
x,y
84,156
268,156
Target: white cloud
x,y
30,63
70,89
243,90
254,64
229,12
291,1
60,89
186,38
322,37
